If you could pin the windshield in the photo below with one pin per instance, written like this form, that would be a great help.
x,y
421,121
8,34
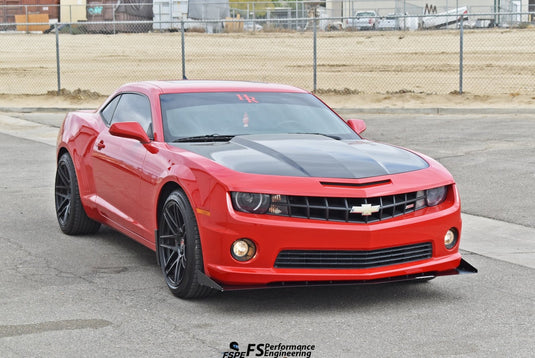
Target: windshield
x,y
209,116
367,14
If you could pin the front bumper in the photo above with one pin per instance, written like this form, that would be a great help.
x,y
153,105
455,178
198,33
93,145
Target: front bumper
x,y
272,235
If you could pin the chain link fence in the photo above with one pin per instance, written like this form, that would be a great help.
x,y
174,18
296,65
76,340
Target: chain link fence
x,y
470,54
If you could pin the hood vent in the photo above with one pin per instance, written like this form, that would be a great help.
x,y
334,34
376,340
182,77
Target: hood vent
x,y
356,185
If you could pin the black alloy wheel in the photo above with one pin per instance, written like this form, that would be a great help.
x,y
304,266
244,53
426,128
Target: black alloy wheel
x,y
70,212
179,247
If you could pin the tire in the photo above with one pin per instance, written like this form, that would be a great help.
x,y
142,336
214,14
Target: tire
x,y
179,248
70,212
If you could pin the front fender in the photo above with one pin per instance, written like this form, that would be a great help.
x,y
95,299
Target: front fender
x,y
77,136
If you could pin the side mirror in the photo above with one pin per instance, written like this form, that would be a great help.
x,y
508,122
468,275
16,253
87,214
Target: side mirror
x,y
131,130
358,125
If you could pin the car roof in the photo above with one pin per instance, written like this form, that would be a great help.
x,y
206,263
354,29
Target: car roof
x,y
184,86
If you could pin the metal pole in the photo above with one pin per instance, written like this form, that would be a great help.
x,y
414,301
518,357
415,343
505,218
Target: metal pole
x,y
499,11
183,50
457,9
57,59
315,54
461,57
495,11
27,19
404,15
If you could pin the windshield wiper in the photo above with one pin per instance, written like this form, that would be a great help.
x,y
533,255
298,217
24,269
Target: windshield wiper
x,y
206,138
323,134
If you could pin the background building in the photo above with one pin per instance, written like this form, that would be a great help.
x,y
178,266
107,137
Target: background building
x,y
416,7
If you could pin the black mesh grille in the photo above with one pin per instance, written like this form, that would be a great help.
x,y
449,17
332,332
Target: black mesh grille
x,y
358,210
327,259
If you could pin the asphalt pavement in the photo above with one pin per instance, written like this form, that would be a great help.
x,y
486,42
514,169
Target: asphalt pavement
x,y
103,295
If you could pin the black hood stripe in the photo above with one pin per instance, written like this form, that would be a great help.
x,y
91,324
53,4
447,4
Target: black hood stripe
x,y
269,151
307,155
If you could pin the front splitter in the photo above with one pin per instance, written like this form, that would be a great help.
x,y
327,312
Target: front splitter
x,y
463,268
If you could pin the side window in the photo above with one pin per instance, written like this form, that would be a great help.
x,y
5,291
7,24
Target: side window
x,y
107,112
134,108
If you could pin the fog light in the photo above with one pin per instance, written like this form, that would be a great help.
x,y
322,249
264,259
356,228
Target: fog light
x,y
243,249
450,239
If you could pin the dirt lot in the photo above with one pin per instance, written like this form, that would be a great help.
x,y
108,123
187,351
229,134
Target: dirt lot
x,y
355,69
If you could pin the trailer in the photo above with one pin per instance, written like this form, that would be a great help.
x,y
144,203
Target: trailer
x,y
444,19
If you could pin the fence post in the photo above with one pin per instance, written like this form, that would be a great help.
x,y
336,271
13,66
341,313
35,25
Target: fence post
x,y
113,14
315,49
183,50
27,19
461,45
57,58
70,19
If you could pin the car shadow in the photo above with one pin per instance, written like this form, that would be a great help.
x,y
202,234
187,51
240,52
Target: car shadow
x,y
328,298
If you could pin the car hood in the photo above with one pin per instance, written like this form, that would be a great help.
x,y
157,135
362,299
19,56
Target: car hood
x,y
308,155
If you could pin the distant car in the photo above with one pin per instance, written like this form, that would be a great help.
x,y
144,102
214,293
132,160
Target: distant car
x,y
484,23
252,26
389,22
240,185
363,20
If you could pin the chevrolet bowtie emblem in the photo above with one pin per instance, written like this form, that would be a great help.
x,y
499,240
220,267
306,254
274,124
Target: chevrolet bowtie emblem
x,y
365,209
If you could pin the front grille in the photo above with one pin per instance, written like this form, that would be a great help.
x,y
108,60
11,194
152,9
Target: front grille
x,y
347,209
341,259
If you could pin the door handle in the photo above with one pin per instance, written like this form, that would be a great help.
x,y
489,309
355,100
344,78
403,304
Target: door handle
x,y
101,145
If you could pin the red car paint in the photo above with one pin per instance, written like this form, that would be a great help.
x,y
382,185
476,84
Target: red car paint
x,y
122,182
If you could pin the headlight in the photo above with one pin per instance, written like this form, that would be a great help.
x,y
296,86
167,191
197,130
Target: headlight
x,y
253,203
436,196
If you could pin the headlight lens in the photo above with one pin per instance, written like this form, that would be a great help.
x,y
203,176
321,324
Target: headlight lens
x,y
436,196
253,203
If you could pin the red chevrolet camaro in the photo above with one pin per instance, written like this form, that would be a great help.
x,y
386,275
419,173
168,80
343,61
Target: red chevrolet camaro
x,y
245,185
